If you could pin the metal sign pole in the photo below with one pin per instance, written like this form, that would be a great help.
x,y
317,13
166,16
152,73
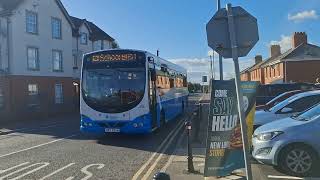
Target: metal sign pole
x,y
220,57
239,92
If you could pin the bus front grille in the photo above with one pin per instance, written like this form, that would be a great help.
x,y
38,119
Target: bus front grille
x,y
112,124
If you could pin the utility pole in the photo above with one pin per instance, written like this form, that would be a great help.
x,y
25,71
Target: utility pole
x,y
212,66
220,57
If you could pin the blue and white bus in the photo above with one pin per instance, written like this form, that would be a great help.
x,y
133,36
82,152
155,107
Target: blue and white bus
x,y
130,91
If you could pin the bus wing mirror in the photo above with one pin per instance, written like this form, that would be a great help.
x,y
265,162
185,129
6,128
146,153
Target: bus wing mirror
x,y
153,75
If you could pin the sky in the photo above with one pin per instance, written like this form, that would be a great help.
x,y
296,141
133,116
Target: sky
x,y
178,27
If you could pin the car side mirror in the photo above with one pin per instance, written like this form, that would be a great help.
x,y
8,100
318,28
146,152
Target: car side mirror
x,y
153,75
286,110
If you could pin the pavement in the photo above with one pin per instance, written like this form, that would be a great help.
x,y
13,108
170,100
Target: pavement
x,y
178,162
55,149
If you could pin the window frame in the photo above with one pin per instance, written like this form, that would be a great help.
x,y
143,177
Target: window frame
x,y
28,12
57,99
32,94
84,43
37,61
60,62
52,27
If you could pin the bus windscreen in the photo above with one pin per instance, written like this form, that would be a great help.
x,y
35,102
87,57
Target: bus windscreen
x,y
113,82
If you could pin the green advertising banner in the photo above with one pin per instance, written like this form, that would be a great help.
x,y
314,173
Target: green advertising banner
x,y
224,152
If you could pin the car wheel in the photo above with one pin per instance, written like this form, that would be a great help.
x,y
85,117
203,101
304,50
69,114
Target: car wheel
x,y
298,160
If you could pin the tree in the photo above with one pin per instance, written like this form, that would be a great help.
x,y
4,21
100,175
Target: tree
x,y
114,45
194,87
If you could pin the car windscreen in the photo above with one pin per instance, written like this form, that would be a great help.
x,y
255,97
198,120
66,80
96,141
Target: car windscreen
x,y
310,114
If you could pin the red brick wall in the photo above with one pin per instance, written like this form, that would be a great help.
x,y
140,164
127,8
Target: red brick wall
x,y
257,75
303,71
245,77
20,99
273,73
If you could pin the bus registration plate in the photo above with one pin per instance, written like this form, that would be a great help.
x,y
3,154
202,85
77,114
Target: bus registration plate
x,y
112,130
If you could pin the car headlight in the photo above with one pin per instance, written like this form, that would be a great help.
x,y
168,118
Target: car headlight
x,y
268,136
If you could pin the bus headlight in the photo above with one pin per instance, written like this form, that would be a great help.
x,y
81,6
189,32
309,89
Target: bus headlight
x,y
141,124
135,125
85,124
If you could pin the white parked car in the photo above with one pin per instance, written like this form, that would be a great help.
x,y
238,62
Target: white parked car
x,y
291,106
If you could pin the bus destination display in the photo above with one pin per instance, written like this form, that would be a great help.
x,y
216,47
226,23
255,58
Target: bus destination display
x,y
114,57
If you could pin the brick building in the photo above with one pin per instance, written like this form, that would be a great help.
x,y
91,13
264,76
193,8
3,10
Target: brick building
x,y
40,50
301,63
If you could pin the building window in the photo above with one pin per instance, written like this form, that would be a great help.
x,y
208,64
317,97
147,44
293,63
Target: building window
x,y
33,58
97,45
1,99
33,92
83,38
56,28
31,22
57,60
58,94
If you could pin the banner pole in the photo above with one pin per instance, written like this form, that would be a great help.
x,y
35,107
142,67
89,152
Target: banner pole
x,y
239,92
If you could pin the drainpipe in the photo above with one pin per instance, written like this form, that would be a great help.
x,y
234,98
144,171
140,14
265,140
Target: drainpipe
x,y
285,71
8,45
9,67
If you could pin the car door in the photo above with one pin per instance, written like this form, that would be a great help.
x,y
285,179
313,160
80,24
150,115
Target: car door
x,y
297,106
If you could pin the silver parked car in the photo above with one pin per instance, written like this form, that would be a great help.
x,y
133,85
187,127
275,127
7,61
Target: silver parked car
x,y
293,105
292,144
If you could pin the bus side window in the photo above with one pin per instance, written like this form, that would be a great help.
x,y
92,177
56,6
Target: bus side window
x,y
171,83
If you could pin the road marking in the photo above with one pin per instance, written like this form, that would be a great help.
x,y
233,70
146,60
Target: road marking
x,y
55,172
22,169
34,170
33,147
165,167
148,173
135,177
9,169
39,127
282,177
89,174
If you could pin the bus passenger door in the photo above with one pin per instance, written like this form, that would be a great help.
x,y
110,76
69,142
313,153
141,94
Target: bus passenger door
x,y
153,98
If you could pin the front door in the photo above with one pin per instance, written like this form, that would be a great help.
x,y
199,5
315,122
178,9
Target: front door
x,y
153,101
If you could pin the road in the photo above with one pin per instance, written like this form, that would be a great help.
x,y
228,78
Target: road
x,y
55,149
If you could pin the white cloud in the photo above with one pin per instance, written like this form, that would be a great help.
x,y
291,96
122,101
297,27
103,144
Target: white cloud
x,y
211,52
198,67
304,15
285,43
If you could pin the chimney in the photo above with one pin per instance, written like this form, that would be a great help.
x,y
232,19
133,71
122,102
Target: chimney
x,y
275,50
258,59
299,38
